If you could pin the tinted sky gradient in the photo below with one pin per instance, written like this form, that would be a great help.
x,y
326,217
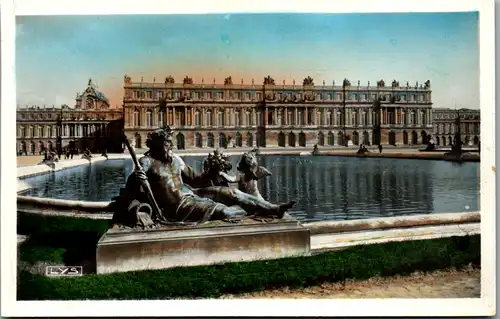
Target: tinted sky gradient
x,y
55,55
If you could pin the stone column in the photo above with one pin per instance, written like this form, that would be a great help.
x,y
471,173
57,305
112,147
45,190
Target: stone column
x,y
174,115
254,117
296,120
265,116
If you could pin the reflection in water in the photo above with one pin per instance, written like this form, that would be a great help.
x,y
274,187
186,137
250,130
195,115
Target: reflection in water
x,y
325,188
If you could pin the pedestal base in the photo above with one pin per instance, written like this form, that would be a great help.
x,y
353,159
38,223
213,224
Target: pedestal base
x,y
121,250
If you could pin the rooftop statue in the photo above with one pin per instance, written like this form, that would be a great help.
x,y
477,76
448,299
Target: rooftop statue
x,y
163,190
308,81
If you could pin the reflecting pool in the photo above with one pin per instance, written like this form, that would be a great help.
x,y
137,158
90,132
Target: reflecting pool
x,y
325,188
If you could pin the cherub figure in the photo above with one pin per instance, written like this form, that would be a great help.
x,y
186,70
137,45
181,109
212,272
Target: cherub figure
x,y
249,173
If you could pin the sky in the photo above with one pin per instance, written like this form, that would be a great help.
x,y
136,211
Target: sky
x,y
56,55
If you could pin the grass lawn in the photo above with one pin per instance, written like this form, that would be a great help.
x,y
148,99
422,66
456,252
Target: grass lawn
x,y
60,240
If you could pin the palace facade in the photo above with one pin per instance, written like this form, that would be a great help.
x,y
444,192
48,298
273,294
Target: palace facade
x,y
271,114
445,127
91,123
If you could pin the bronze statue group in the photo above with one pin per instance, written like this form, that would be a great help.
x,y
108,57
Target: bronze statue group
x,y
163,190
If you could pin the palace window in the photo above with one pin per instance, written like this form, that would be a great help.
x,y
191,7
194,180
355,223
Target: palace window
x,y
290,118
270,118
237,95
329,96
220,95
337,119
412,118
364,120
161,119
237,120
321,118
149,95
339,96
354,118
177,95
160,94
319,96
248,118
196,95
208,95
209,118
280,96
197,118
220,118
329,118
136,118
258,96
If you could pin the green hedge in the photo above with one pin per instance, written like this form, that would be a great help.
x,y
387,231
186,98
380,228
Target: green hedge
x,y
360,262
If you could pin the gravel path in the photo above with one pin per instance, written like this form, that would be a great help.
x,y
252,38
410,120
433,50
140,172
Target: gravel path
x,y
465,283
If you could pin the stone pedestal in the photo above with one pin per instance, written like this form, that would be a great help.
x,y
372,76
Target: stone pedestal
x,y
121,250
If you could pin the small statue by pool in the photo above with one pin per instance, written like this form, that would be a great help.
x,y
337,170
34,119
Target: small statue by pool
x,y
362,150
87,155
249,173
162,181
315,150
50,158
105,153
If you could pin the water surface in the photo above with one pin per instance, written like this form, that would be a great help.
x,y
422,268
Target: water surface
x,y
325,187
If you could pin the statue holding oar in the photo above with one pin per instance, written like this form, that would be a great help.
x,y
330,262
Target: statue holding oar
x,y
163,180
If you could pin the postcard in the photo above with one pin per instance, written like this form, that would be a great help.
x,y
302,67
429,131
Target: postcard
x,y
247,159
